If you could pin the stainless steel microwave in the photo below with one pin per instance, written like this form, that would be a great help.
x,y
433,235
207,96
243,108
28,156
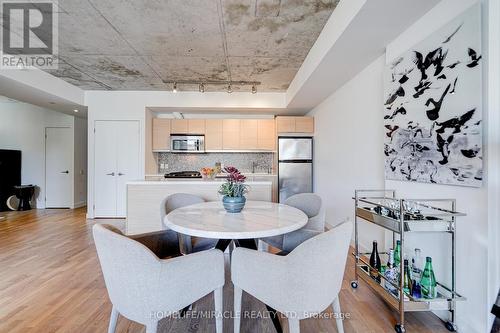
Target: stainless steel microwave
x,y
180,143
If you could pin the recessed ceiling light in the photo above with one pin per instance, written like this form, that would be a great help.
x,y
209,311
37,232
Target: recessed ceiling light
x,y
75,110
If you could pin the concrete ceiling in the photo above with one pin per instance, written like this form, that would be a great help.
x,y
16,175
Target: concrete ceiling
x,y
138,44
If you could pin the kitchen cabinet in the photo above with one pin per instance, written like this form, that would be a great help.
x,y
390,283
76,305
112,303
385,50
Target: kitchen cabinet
x,y
266,134
248,133
179,126
231,134
295,124
213,134
196,126
161,134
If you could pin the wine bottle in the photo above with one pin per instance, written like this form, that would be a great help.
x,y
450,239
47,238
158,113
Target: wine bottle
x,y
407,282
375,263
416,265
391,273
428,281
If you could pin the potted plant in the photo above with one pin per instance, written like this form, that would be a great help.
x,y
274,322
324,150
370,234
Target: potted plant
x,y
233,190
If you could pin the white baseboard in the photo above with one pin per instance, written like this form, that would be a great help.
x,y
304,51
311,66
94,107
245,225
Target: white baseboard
x,y
80,204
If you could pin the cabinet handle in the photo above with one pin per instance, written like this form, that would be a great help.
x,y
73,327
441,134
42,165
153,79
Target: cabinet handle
x,y
110,174
65,171
121,174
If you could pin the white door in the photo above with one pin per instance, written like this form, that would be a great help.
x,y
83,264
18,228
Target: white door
x,y
116,161
58,167
127,161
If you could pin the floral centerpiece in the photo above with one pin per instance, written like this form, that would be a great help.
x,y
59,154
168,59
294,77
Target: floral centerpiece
x,y
233,190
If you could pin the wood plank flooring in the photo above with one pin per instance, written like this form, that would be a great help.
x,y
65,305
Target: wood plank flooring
x,y
50,281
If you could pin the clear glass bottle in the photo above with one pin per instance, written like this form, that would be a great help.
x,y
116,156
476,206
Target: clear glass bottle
x,y
428,282
417,265
391,274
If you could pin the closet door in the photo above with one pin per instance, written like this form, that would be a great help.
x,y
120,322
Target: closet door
x,y
127,161
105,169
116,162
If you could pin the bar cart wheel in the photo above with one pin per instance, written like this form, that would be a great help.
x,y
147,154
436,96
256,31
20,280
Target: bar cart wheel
x,y
400,328
354,284
450,326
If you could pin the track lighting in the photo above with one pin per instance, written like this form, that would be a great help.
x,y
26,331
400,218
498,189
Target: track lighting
x,y
201,88
229,88
175,87
254,89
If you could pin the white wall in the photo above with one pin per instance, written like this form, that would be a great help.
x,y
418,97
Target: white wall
x,y
131,105
22,127
349,155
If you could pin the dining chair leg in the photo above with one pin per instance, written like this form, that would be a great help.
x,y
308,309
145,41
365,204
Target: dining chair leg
x,y
152,327
218,309
238,293
293,325
113,318
338,315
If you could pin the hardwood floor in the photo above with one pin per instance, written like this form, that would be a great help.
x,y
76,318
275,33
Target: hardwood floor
x,y
50,281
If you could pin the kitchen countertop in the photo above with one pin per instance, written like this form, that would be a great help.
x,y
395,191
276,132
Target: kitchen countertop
x,y
189,181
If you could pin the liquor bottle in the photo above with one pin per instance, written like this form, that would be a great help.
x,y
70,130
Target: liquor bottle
x,y
407,282
428,281
391,274
375,263
416,265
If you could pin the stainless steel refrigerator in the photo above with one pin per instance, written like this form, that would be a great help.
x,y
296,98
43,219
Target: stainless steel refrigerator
x,y
295,166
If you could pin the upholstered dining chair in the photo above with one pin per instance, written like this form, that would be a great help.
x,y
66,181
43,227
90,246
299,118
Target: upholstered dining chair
x,y
301,284
187,244
141,286
311,205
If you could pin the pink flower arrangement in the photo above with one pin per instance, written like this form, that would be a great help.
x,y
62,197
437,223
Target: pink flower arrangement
x,y
234,185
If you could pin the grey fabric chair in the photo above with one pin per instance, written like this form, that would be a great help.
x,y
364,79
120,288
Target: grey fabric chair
x,y
187,244
300,284
311,205
141,286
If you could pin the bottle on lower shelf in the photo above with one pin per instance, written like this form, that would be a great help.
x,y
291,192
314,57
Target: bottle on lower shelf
x,y
375,263
428,282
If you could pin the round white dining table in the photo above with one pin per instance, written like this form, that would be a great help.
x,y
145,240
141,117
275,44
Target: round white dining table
x,y
257,220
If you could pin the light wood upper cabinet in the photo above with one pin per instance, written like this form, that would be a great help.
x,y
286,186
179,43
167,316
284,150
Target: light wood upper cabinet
x,y
213,134
196,126
295,124
161,134
304,124
285,124
179,126
248,133
231,134
266,134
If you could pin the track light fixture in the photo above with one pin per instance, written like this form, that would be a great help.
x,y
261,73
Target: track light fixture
x,y
227,85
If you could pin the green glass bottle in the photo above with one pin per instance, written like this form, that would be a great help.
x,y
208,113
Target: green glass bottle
x,y
428,281
397,254
407,282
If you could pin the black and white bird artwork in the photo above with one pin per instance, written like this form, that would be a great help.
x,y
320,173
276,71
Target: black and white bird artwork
x,y
433,103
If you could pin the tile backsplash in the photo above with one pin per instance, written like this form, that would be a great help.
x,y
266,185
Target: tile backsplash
x,y
194,162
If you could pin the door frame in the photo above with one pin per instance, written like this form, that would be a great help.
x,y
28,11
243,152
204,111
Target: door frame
x,y
72,168
141,162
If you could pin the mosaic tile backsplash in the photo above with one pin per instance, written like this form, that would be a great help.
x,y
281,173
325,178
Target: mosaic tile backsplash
x,y
194,162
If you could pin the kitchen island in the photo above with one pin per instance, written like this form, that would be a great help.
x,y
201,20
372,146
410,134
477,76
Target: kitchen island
x,y
144,198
